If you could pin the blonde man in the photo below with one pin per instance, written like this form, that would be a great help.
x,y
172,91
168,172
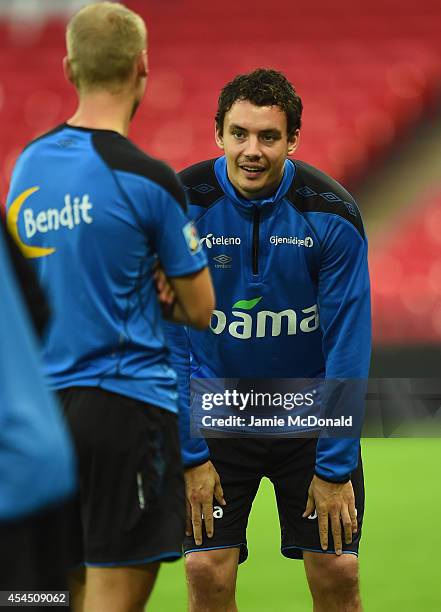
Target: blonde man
x,y
96,215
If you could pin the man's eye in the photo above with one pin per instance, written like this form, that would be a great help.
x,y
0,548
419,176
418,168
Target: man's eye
x,y
268,138
239,135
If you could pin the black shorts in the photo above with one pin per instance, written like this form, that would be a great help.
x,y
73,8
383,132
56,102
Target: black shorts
x,y
131,506
289,464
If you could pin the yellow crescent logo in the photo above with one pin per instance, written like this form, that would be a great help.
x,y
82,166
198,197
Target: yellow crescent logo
x,y
12,220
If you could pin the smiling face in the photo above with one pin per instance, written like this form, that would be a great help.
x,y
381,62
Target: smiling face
x,y
256,144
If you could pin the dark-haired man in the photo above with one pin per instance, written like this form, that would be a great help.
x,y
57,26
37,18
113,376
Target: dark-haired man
x,y
318,271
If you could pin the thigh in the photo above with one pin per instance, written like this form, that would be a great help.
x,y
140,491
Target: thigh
x,y
239,463
291,475
131,480
117,589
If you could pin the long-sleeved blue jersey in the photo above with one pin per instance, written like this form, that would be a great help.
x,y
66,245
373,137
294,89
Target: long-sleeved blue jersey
x,y
292,290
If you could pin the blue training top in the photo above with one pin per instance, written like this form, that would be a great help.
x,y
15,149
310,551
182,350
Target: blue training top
x,y
93,212
292,291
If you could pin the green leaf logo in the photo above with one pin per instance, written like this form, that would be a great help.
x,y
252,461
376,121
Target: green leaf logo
x,y
247,304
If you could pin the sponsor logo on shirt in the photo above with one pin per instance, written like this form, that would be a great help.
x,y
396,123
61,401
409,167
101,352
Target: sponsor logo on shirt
x,y
210,240
191,237
293,240
76,210
262,323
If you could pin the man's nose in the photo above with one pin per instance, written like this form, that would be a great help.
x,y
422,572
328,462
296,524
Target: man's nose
x,y
252,149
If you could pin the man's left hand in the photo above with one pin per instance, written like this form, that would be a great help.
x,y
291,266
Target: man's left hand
x,y
166,295
202,483
334,502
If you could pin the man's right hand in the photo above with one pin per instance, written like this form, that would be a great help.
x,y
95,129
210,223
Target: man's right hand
x,y
202,483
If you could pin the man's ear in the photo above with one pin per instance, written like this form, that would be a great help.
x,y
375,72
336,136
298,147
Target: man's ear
x,y
143,64
293,142
218,137
67,69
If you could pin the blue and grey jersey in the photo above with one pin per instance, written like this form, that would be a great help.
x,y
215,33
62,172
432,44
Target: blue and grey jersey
x,y
292,290
93,213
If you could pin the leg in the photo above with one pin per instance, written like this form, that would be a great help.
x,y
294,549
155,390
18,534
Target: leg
x,y
132,500
294,463
212,567
333,582
119,589
211,578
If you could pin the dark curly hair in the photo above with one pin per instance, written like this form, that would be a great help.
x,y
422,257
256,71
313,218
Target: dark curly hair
x,y
262,87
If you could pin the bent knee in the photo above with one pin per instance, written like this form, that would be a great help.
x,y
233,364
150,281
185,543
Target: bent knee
x,y
214,570
329,572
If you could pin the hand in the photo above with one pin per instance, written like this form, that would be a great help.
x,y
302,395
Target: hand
x,y
333,501
202,483
166,295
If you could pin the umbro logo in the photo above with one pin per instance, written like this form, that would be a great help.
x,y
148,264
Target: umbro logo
x,y
223,261
204,188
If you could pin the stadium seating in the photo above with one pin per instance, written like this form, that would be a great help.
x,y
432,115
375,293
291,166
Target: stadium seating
x,y
406,266
365,73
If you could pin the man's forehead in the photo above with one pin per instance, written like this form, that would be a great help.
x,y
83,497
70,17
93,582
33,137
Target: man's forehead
x,y
252,117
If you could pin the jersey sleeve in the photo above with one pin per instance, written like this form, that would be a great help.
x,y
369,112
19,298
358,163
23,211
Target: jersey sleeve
x,y
173,236
157,202
194,450
345,316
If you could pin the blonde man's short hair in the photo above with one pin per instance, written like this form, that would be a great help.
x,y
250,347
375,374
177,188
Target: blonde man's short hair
x,y
103,41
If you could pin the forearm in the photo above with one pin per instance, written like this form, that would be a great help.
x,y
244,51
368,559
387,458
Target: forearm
x,y
338,449
194,450
345,317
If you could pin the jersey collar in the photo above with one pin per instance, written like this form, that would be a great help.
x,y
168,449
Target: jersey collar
x,y
220,168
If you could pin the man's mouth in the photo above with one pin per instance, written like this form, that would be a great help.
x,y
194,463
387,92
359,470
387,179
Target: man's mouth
x,y
251,170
